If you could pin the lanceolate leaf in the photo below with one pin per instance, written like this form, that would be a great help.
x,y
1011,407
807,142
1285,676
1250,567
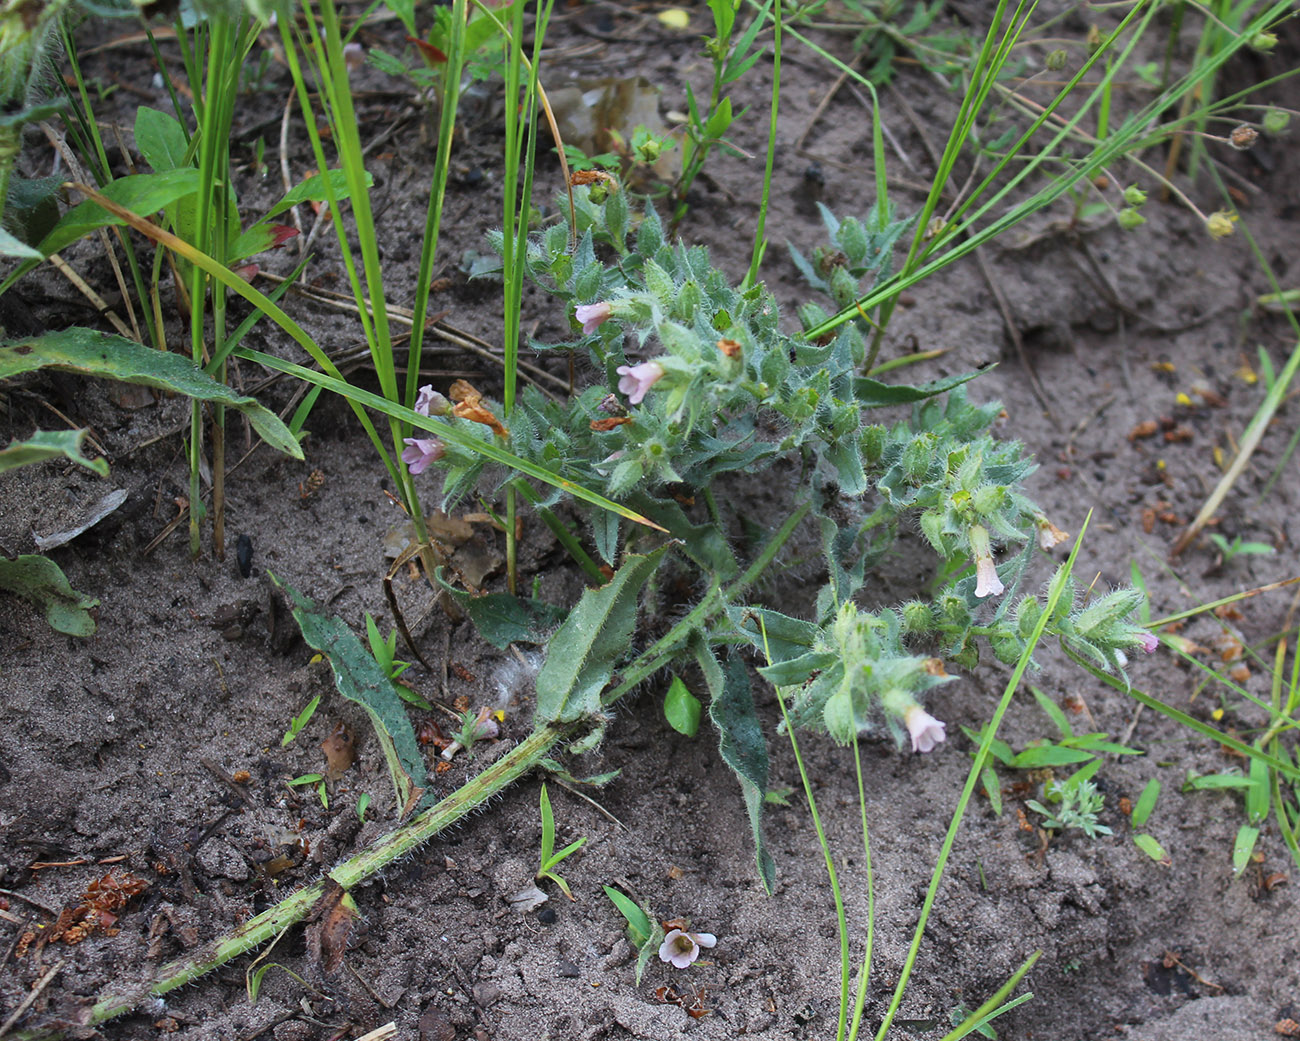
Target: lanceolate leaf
x,y
104,355
143,193
50,444
41,581
741,744
596,635
502,619
359,678
872,393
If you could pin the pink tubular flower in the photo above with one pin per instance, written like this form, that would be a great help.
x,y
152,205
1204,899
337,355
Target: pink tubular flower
x,y
681,948
430,403
1049,534
1148,642
987,582
420,452
926,731
638,379
592,316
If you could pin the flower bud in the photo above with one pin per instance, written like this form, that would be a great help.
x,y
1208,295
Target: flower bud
x,y
1219,224
1276,120
1243,137
1264,41
1006,649
918,617
1056,60
872,440
1128,218
917,457
1134,196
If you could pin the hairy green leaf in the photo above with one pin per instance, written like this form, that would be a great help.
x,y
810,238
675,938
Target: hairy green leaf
x,y
359,678
90,353
50,444
43,582
598,632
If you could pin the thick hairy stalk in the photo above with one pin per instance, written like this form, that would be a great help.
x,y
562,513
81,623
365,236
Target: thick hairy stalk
x,y
406,839
352,872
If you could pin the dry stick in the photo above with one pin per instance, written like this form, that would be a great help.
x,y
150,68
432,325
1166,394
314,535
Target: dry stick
x,y
1249,442
825,102
26,1003
69,157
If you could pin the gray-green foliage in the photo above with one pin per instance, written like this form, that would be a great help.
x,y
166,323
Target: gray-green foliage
x,y
696,380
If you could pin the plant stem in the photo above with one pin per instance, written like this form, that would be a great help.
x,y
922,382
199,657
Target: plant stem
x,y
350,873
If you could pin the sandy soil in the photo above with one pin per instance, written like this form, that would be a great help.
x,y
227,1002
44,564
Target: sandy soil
x,y
119,751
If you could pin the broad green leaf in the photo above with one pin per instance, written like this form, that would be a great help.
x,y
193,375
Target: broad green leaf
x,y
359,678
1148,845
638,922
313,189
107,356
741,744
13,247
141,193
1048,755
43,582
682,708
502,619
1243,847
872,393
1146,803
1216,782
992,788
161,140
775,635
596,635
1054,711
50,444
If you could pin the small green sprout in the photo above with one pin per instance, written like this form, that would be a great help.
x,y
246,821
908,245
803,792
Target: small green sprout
x,y
1228,550
550,859
1079,805
318,780
300,721
363,804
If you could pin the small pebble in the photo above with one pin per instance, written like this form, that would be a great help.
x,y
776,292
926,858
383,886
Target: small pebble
x,y
566,970
546,916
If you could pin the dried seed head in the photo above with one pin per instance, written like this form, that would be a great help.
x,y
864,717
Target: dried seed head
x,y
1243,137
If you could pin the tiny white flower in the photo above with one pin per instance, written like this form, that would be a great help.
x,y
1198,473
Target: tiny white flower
x,y
926,731
680,948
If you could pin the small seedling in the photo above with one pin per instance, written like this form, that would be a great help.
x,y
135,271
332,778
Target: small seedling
x,y
474,726
318,780
363,804
1228,550
300,721
1078,807
550,859
385,650
645,933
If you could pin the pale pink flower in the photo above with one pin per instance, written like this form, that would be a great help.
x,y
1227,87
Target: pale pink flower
x,y
1148,642
638,379
430,403
420,452
592,316
681,948
987,582
926,731
1049,534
